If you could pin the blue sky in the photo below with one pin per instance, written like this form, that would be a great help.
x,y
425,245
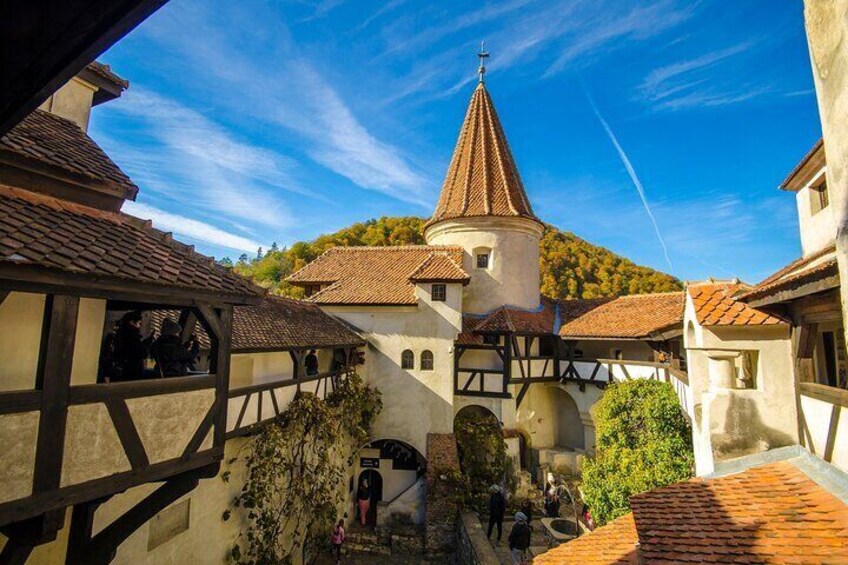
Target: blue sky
x,y
258,121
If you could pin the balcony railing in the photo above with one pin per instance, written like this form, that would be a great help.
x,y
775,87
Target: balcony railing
x,y
256,404
115,436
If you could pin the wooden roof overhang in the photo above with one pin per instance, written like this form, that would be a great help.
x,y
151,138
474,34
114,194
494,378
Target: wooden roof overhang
x,y
43,44
33,278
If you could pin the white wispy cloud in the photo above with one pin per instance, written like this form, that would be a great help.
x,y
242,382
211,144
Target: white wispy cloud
x,y
190,228
335,137
633,176
199,163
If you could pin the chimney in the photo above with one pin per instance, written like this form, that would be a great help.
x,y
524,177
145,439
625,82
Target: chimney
x,y
94,85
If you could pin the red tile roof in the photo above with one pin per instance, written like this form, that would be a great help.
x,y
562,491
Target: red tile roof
x,y
482,178
634,316
509,319
59,236
612,544
377,275
439,267
45,139
816,267
716,305
769,514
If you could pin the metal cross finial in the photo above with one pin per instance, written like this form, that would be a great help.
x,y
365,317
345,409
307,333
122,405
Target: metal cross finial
x,y
482,55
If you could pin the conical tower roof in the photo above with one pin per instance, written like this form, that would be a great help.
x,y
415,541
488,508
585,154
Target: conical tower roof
x,y
482,178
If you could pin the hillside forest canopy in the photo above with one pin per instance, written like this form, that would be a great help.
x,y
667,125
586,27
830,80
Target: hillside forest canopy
x,y
570,267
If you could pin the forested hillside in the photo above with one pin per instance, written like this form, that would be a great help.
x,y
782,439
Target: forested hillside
x,y
571,267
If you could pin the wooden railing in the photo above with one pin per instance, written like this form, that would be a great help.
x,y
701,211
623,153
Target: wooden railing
x,y
114,436
255,404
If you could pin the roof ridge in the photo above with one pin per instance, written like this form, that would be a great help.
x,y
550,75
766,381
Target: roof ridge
x,y
421,247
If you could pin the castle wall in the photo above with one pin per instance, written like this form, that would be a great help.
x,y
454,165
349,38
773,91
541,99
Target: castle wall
x,y
415,402
512,276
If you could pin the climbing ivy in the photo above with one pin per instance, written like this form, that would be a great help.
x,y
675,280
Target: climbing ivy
x,y
643,442
482,455
295,472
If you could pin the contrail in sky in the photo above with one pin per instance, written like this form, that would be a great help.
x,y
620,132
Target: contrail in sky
x,y
630,170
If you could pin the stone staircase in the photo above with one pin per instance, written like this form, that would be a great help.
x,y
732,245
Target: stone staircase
x,y
398,541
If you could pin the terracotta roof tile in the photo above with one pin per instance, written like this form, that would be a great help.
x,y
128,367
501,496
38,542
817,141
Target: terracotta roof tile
x,y
630,317
770,514
612,544
482,179
717,304
276,323
45,232
509,319
105,71
376,275
49,140
439,267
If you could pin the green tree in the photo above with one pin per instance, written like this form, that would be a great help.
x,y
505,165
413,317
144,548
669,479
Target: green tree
x,y
643,442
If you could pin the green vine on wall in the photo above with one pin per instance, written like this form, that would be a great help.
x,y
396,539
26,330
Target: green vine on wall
x,y
296,467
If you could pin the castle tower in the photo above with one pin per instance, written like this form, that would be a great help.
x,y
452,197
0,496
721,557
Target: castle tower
x,y
483,208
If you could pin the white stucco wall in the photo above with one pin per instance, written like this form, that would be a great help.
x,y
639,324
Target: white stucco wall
x,y
825,428
513,273
72,101
21,318
730,422
415,402
817,230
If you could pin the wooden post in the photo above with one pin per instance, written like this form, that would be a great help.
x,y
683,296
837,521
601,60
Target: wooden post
x,y
54,379
507,363
804,344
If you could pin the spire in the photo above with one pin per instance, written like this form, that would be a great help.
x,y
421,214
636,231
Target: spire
x,y
482,178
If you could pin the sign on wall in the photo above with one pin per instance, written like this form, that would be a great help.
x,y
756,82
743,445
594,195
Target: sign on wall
x,y
369,462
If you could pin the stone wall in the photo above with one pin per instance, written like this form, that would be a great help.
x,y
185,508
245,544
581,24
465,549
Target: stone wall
x,y
440,507
472,546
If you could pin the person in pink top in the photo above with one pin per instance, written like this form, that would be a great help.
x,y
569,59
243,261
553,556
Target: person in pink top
x,y
337,539
363,498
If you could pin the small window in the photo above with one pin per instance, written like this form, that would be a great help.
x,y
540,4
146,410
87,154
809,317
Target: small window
x,y
820,197
426,360
491,339
482,260
407,359
439,293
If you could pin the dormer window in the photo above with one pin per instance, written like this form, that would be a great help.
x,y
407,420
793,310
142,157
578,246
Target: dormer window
x,y
438,293
819,197
483,260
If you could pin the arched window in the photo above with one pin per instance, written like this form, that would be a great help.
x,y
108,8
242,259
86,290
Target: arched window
x,y
426,360
407,359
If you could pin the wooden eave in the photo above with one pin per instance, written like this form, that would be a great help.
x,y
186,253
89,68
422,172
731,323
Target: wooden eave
x,y
44,44
296,348
813,287
37,176
33,278
804,172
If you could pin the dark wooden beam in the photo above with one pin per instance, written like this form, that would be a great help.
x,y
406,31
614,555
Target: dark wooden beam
x,y
222,370
54,380
88,394
43,44
127,433
101,548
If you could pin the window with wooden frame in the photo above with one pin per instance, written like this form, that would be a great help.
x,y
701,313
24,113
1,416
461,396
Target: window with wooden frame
x,y
819,197
439,292
426,360
407,359
482,260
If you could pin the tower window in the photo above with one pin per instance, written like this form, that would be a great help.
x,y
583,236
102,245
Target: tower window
x,y
407,359
482,260
438,292
820,199
426,360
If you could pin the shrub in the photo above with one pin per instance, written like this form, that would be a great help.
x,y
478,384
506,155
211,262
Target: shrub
x,y
643,442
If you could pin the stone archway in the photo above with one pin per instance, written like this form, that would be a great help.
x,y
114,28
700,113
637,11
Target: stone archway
x,y
568,426
474,412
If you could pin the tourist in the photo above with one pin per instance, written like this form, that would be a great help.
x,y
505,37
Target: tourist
x,y
171,355
552,505
527,510
497,507
363,497
337,539
519,538
130,349
311,363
